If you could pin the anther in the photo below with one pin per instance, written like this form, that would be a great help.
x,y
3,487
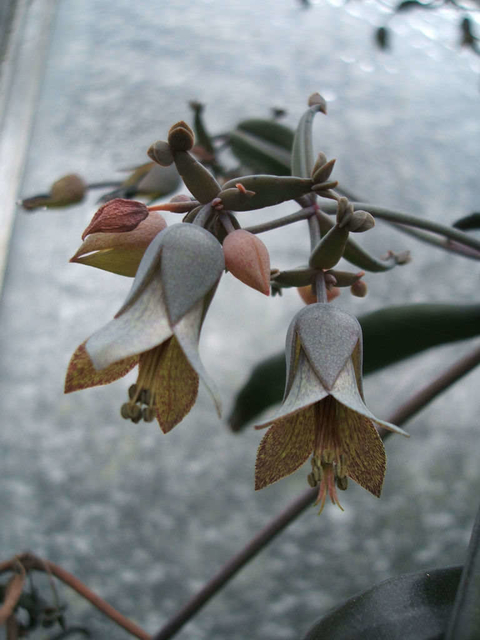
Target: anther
x,y
148,414
132,390
125,411
135,413
145,396
312,481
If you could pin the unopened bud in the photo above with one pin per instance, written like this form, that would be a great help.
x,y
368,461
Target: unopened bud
x,y
359,289
360,221
161,153
321,173
344,211
317,100
117,216
246,257
181,137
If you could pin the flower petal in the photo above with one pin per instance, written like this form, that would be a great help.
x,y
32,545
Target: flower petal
x,y
364,450
141,327
139,238
176,386
124,262
81,373
187,332
285,447
346,392
329,337
192,263
305,391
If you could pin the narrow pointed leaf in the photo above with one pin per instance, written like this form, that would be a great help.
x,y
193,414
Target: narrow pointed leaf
x,y
302,160
259,155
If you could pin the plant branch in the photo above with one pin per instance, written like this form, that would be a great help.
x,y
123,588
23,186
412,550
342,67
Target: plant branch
x,y
297,506
32,562
413,221
444,243
302,214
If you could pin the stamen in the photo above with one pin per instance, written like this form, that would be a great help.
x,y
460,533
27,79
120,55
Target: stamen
x,y
141,405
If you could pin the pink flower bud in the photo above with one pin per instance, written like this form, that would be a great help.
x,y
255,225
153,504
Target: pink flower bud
x,y
246,257
117,216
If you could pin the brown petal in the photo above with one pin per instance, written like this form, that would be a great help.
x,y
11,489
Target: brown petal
x,y
81,374
117,216
246,257
285,447
363,447
176,386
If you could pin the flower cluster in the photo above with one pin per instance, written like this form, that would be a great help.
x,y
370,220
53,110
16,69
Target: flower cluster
x,y
176,270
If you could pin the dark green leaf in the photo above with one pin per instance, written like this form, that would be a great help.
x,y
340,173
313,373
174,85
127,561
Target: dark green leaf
x,y
414,606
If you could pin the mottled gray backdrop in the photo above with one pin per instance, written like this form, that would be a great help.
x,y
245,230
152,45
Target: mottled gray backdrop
x,y
143,518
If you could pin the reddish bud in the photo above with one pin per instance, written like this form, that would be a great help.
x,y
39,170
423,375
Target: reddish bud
x,y
246,257
117,216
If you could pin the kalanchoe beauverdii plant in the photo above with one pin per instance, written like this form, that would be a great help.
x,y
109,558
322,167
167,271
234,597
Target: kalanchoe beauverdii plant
x,y
177,269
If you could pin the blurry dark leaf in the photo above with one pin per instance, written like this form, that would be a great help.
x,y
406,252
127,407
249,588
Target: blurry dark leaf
x,y
468,222
389,335
464,622
413,607
406,5
263,146
382,38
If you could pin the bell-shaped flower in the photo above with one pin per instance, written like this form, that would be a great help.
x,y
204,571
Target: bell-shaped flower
x,y
323,412
119,251
158,328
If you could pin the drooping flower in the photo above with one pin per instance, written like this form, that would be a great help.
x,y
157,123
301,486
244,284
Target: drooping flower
x,y
323,412
158,328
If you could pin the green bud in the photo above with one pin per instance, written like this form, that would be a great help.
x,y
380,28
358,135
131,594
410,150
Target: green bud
x,y
360,221
330,248
180,137
322,169
161,153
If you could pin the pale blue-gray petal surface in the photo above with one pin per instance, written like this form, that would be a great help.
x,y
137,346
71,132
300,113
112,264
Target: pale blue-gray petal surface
x,y
192,262
329,337
187,331
346,392
143,326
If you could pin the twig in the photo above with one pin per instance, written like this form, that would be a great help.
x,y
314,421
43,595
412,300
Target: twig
x,y
297,506
302,214
29,561
413,221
